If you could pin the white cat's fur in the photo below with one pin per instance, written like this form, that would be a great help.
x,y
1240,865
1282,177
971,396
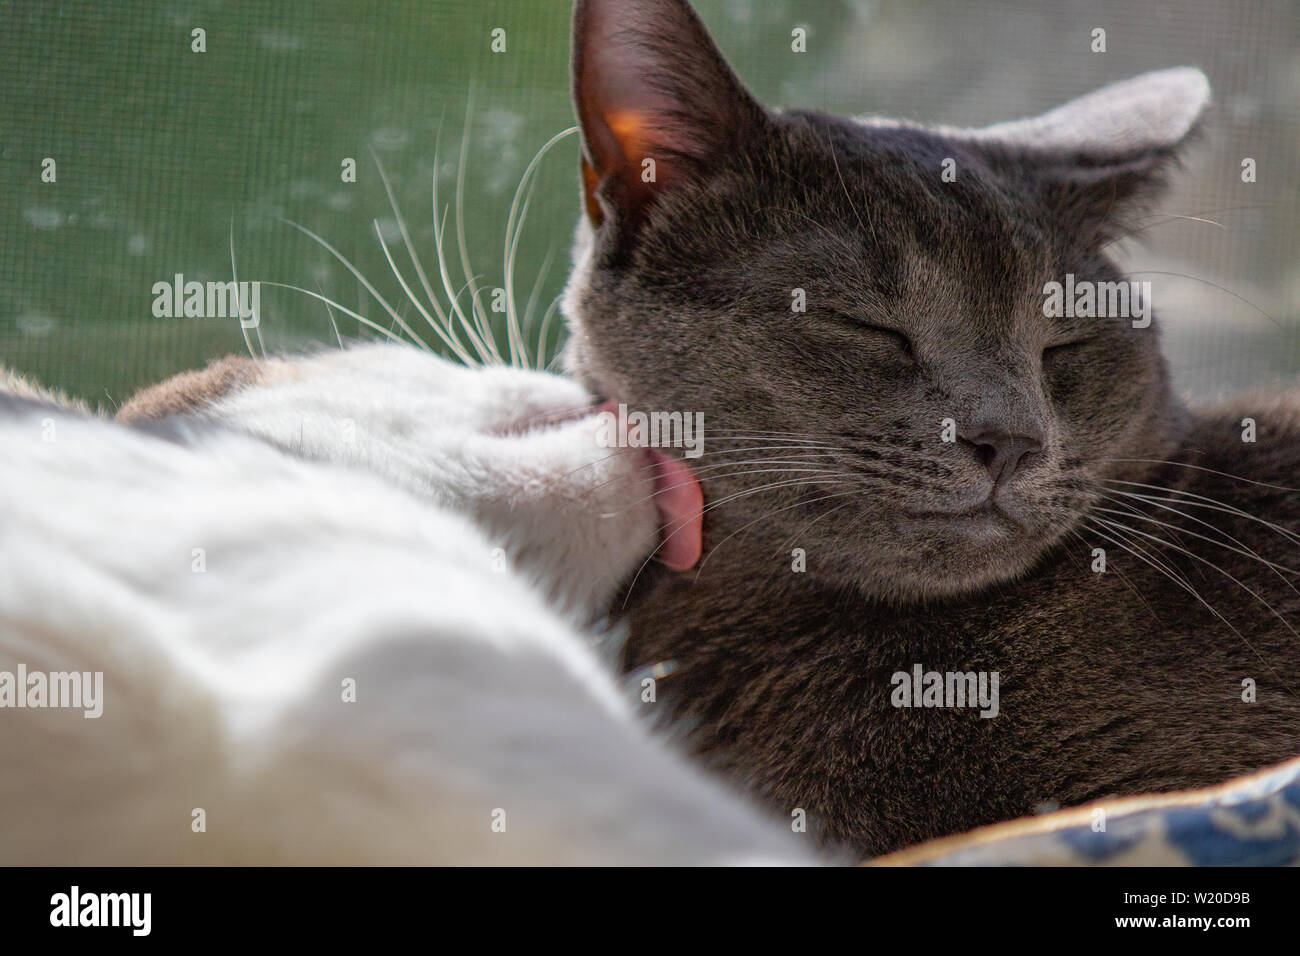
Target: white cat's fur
x,y
489,443
362,549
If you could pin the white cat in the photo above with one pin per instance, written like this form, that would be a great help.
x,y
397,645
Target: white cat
x,y
357,637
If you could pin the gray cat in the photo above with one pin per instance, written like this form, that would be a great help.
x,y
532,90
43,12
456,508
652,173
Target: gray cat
x,y
953,465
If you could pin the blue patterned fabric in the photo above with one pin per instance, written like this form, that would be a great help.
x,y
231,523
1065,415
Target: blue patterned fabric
x,y
1251,821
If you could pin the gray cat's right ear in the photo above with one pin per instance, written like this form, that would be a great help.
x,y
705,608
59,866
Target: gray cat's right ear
x,y
657,103
1096,154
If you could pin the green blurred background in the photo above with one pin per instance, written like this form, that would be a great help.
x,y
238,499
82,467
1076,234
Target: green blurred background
x,y
160,150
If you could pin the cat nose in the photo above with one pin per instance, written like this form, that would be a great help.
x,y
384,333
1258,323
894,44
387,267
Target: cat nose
x,y
1001,452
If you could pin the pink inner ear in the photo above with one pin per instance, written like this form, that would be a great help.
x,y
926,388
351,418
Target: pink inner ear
x,y
681,512
648,84
630,126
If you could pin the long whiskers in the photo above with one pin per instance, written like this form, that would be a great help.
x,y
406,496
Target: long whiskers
x,y
514,228
849,478
703,473
234,274
374,326
1073,533
1212,471
347,264
1241,548
1193,500
1245,552
463,331
1182,583
769,514
1222,288
442,328
1196,557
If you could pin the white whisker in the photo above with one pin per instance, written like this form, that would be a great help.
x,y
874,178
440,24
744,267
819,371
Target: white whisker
x,y
481,339
514,229
342,308
329,310
442,328
347,263
239,310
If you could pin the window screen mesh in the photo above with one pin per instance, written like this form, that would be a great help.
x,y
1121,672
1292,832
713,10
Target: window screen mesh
x,y
166,158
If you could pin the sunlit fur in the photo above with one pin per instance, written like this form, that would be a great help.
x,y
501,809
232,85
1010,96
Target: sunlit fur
x,y
435,539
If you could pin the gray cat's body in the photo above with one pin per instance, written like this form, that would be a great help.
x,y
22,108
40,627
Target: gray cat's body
x,y
925,306
1114,683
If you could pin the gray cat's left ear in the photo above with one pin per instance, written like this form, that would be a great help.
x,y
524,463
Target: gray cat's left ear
x,y
1094,154
1149,113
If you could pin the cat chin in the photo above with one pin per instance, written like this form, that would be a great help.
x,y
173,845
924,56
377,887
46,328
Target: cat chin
x,y
914,571
905,587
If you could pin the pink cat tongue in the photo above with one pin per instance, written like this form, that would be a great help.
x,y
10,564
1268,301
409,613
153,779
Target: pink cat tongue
x,y
681,512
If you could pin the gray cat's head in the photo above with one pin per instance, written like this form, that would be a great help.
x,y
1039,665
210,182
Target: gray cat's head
x,y
920,257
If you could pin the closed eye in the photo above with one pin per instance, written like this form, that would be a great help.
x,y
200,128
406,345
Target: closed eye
x,y
1065,347
898,338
